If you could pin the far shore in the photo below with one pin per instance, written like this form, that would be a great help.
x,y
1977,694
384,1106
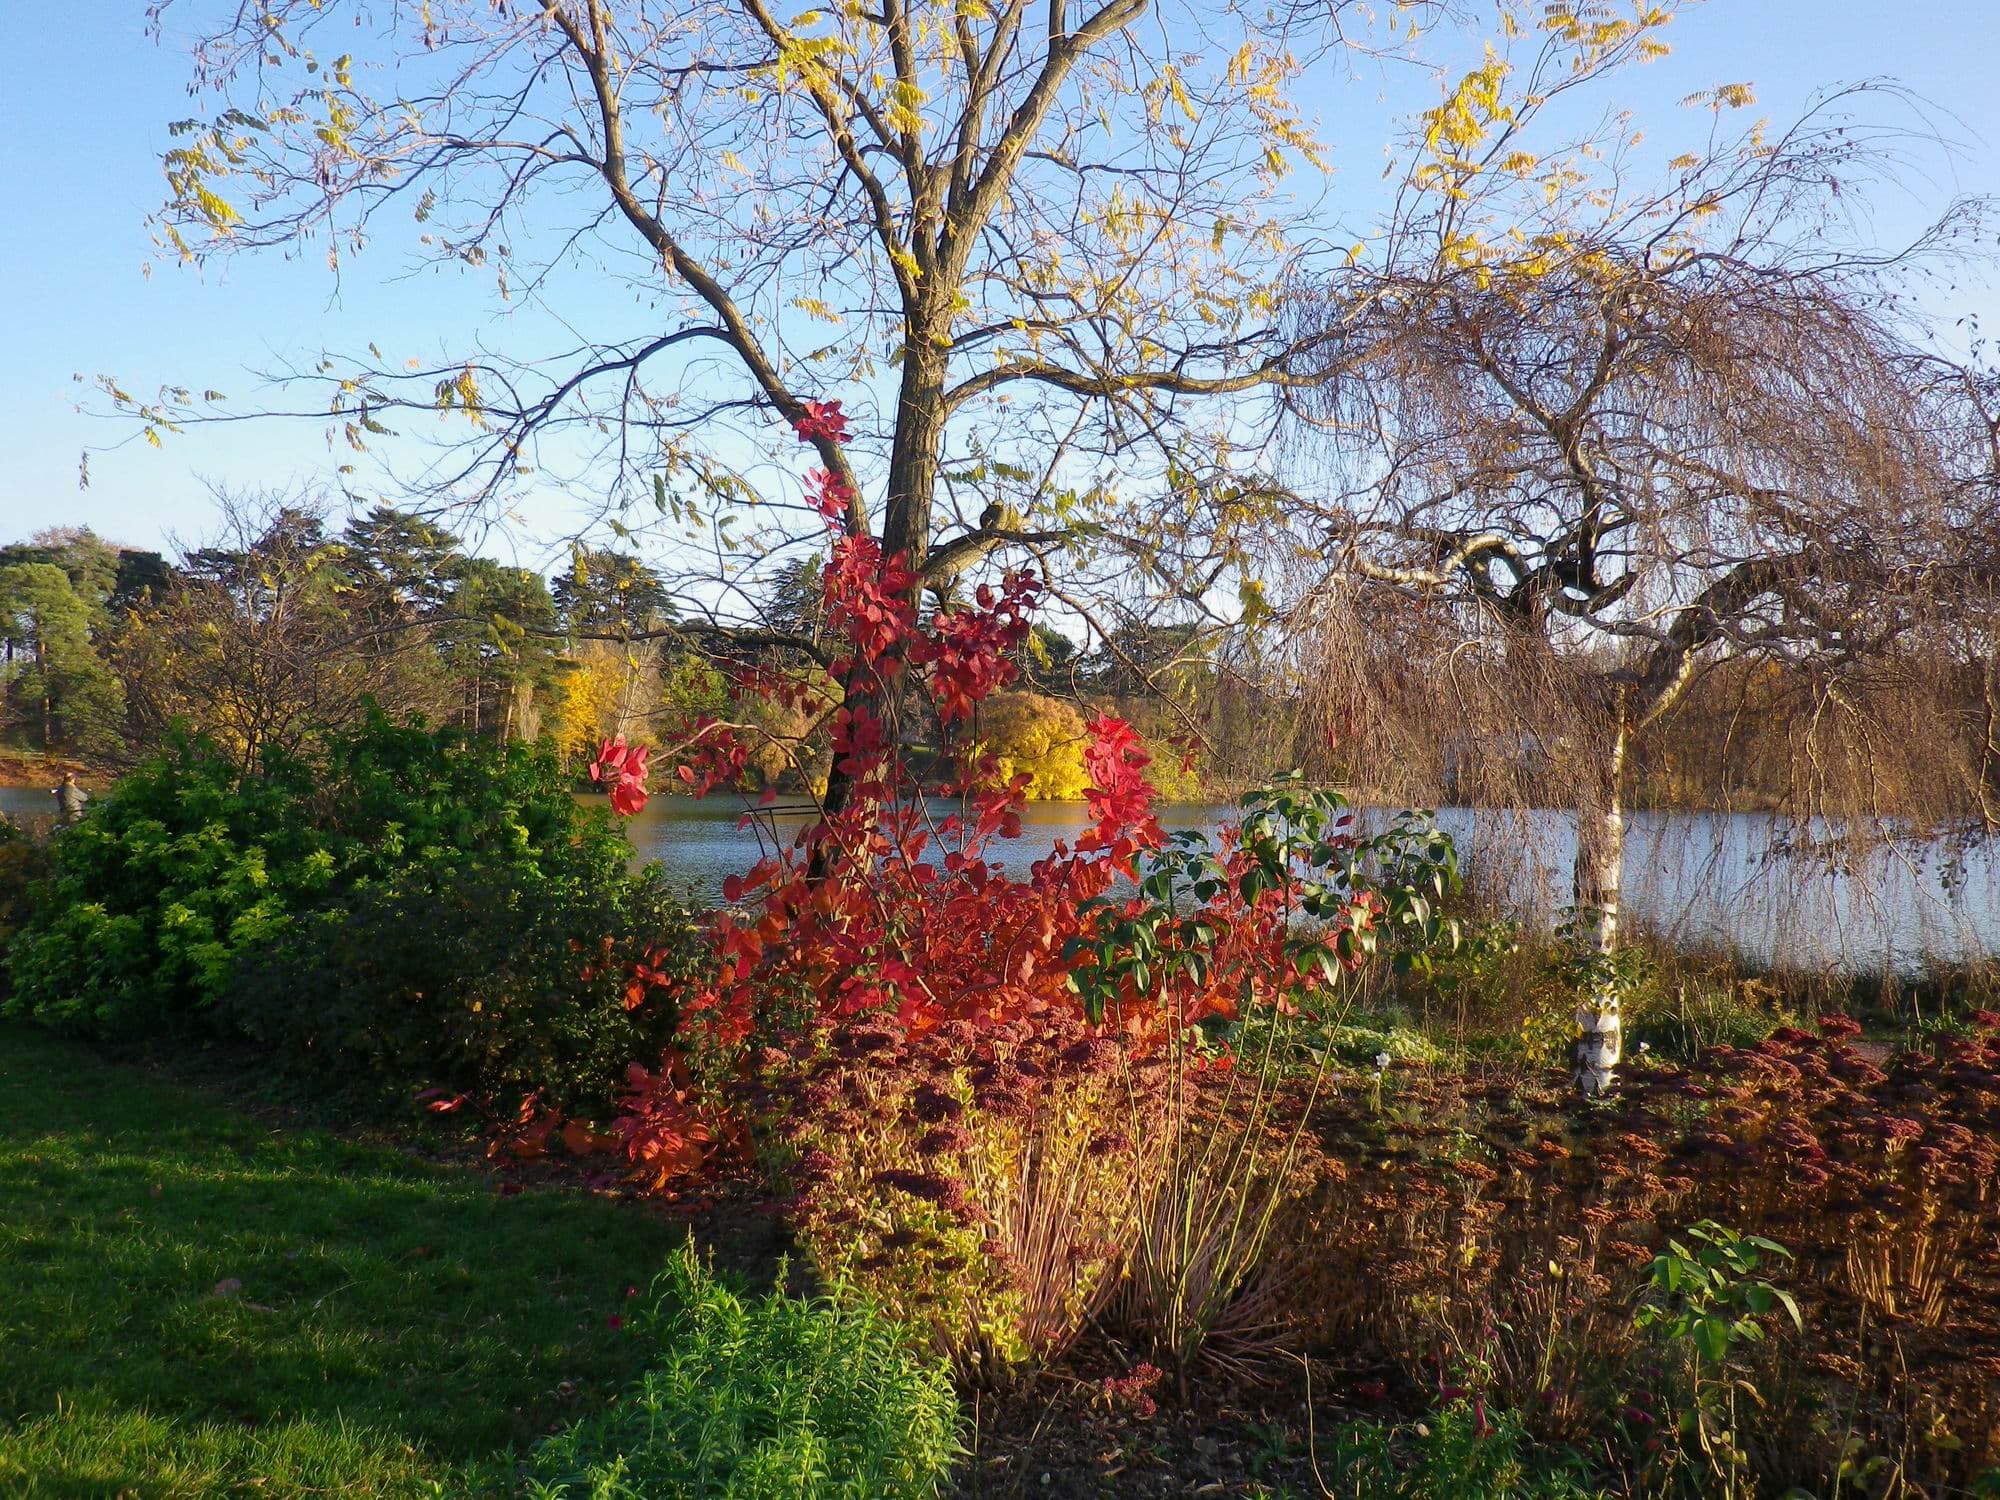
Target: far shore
x,y
27,768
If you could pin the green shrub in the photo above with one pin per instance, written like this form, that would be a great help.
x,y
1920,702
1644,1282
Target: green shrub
x,y
24,863
485,976
415,903
1680,1021
183,864
758,1400
1360,1042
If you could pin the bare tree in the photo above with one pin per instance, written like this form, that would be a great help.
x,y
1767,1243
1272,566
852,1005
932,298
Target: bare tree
x,y
254,642
1039,251
1701,424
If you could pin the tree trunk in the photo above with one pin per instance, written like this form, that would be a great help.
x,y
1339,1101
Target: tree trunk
x,y
48,702
913,458
524,718
1599,874
906,509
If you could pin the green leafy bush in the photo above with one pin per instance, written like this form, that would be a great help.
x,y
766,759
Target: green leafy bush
x,y
24,861
179,868
485,976
401,901
758,1400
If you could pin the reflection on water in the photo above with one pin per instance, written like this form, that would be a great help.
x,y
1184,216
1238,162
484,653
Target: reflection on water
x,y
1695,877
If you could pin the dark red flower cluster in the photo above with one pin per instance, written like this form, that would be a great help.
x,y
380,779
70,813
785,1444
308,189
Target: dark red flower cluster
x,y
1133,1391
1879,1177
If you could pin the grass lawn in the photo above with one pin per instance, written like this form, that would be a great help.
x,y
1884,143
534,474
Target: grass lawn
x,y
393,1320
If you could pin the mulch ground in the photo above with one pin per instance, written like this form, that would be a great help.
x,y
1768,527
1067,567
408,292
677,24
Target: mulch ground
x,y
1061,1435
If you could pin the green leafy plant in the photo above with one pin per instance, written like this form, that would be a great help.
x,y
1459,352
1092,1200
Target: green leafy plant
x,y
1460,1452
178,869
1703,1300
772,1398
396,902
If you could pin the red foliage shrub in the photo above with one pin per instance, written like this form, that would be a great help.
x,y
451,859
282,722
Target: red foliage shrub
x,y
966,1077
667,1133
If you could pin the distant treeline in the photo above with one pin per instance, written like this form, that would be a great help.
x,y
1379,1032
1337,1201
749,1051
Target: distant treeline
x,y
291,625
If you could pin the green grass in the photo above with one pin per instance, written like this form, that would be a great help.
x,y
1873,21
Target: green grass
x,y
394,1320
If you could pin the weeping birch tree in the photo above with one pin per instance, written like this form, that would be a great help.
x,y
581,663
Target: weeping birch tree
x,y
1039,252
1635,436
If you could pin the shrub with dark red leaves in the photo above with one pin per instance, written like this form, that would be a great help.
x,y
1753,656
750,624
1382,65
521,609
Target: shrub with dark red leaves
x,y
1505,1230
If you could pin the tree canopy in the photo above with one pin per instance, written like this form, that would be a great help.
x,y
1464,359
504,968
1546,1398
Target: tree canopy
x,y
1040,254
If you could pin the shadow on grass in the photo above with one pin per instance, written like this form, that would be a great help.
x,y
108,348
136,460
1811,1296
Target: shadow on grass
x,y
198,1303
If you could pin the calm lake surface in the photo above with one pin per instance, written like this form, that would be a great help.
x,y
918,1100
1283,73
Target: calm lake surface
x,y
1699,878
28,804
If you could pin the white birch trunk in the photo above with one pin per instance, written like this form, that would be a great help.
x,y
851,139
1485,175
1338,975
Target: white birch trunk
x,y
1600,869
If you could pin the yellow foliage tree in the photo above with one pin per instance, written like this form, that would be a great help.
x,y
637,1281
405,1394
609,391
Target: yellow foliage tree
x,y
588,703
1039,736
1062,239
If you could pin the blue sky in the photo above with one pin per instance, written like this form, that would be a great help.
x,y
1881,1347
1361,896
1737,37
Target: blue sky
x,y
85,98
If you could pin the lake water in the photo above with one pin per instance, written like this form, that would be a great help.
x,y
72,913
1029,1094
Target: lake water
x,y
1697,878
28,804
1708,878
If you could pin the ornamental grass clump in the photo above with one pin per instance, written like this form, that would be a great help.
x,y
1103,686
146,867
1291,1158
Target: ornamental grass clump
x,y
1255,938
974,1181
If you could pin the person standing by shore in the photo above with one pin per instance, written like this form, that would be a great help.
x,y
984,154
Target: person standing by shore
x,y
70,799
